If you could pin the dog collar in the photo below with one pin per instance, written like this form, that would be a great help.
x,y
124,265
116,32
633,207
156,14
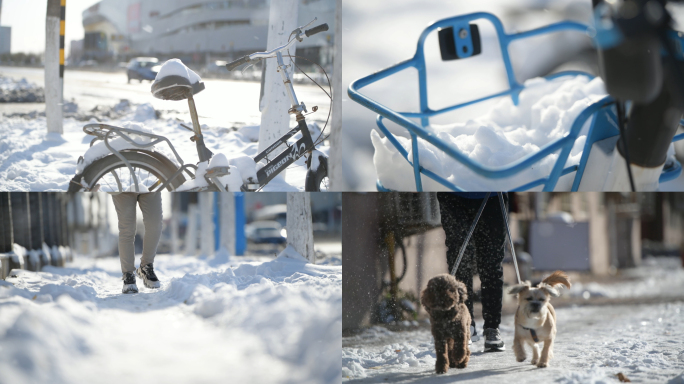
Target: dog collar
x,y
533,333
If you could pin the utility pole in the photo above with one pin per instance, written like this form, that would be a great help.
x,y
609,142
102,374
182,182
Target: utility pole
x,y
54,64
206,205
335,163
275,121
227,222
299,225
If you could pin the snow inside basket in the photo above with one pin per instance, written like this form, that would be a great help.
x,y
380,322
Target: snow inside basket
x,y
545,113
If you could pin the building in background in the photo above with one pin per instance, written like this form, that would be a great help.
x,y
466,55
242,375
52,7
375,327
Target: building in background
x,y
75,51
196,31
5,36
5,40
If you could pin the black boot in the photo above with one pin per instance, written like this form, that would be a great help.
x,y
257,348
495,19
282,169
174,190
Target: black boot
x,y
129,285
146,273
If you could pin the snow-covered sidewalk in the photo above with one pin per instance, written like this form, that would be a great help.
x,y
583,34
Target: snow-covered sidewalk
x,y
243,320
593,345
631,324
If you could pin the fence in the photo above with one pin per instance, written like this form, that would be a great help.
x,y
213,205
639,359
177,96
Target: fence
x,y
33,230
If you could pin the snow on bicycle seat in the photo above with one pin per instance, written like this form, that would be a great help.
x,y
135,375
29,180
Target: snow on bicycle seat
x,y
508,132
174,80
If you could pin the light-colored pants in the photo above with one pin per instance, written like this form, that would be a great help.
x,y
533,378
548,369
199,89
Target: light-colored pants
x,y
151,207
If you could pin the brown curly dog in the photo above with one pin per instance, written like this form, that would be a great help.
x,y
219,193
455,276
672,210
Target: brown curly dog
x,y
444,300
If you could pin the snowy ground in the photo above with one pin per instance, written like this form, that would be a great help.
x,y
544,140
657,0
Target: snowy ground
x,y
593,344
243,320
30,159
634,326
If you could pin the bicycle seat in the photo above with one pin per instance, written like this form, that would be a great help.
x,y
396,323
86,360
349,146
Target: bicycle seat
x,y
175,81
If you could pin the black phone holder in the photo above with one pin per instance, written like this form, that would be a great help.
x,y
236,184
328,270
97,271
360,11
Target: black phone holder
x,y
459,42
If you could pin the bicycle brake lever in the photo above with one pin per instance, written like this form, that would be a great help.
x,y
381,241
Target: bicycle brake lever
x,y
248,66
298,32
311,22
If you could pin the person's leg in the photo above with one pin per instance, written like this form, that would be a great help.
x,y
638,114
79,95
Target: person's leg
x,y
490,239
151,208
124,204
457,217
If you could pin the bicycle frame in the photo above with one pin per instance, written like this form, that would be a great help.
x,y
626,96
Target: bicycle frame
x,y
302,146
600,109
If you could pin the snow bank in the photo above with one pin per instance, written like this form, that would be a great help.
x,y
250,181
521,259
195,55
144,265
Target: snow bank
x,y
175,67
277,321
507,133
20,91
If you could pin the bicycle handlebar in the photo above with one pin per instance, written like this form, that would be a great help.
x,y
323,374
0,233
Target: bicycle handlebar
x,y
315,30
234,64
265,55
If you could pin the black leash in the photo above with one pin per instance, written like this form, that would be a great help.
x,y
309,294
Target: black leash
x,y
472,229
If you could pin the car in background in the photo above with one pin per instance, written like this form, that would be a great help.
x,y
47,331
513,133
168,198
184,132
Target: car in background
x,y
216,68
142,68
266,232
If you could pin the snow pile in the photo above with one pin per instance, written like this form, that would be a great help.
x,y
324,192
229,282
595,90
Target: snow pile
x,y
400,355
247,321
20,91
175,67
507,133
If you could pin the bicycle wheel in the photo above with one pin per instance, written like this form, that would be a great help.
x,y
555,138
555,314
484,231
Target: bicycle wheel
x,y
112,174
318,180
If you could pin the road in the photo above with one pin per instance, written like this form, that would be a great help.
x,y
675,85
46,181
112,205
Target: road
x,y
223,103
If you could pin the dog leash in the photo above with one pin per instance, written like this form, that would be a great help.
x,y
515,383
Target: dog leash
x,y
510,239
472,229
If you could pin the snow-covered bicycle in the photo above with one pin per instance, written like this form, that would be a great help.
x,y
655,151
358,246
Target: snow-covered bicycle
x,y
126,159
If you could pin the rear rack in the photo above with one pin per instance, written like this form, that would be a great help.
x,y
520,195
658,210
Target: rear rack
x,y
106,132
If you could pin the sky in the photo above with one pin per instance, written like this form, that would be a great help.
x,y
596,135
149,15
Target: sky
x,y
27,19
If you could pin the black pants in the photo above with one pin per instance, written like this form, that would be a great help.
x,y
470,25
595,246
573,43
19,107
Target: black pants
x,y
485,250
